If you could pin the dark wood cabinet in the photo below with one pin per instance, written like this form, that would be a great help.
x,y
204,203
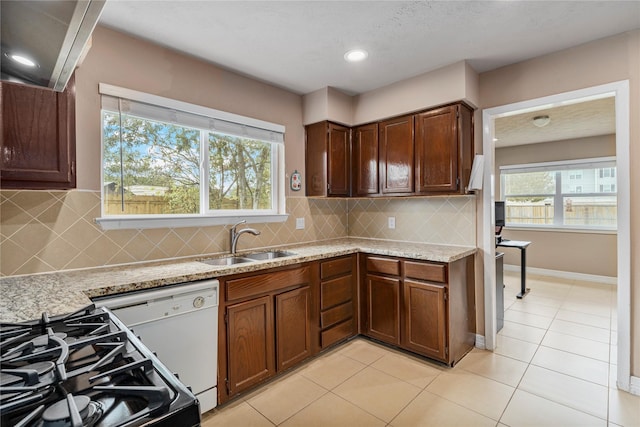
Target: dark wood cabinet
x,y
396,155
365,160
38,137
338,300
429,152
444,149
293,334
420,306
383,308
250,343
328,154
425,319
268,318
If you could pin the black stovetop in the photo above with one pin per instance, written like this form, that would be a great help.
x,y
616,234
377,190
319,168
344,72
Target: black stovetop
x,y
86,369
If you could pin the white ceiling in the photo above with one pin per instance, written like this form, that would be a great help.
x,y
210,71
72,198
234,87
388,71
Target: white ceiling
x,y
299,45
576,120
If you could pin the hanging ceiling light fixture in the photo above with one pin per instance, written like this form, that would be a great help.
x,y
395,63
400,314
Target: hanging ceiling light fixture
x,y
541,121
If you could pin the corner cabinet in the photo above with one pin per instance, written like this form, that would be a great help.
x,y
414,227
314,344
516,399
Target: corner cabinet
x,y
444,149
38,137
267,318
328,154
424,307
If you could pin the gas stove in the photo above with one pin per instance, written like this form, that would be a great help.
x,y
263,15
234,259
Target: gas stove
x,y
86,369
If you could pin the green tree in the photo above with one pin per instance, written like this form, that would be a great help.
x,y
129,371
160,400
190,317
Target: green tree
x,y
530,185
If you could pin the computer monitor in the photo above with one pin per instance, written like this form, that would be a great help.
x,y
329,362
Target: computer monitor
x,y
500,214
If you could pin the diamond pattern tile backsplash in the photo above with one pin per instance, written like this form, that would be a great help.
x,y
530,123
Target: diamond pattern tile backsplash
x,y
44,231
439,220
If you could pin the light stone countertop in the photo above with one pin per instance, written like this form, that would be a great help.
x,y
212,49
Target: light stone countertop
x,y
24,298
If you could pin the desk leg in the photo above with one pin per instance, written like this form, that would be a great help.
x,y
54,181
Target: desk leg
x,y
523,274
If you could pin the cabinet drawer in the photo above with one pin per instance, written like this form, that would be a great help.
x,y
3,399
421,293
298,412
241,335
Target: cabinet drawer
x,y
383,265
334,292
337,333
425,271
336,314
268,282
335,267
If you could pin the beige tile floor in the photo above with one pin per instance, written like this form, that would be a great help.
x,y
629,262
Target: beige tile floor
x,y
554,366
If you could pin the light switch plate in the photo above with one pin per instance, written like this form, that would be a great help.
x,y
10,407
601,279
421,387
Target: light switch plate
x,y
392,222
300,223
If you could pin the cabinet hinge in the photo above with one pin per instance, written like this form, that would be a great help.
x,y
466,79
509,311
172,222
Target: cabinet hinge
x,y
457,181
445,295
226,384
226,318
446,351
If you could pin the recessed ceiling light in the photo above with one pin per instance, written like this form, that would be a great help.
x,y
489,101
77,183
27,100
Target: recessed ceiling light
x,y
23,60
356,55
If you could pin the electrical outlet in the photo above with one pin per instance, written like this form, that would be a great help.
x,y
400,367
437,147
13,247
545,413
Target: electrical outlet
x,y
300,223
392,222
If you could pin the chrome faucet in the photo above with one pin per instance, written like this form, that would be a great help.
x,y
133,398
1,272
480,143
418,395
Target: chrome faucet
x,y
234,235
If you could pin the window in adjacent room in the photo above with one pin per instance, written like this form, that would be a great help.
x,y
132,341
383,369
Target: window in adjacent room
x,y
166,160
570,194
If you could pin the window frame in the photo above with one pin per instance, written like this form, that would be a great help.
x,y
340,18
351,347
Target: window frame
x,y
206,217
558,195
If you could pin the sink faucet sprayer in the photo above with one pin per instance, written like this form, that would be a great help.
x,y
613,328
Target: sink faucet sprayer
x,y
234,235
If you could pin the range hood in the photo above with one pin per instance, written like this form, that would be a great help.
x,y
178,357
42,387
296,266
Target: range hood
x,y
50,33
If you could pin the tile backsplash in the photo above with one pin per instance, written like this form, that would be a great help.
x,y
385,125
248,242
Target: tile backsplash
x,y
439,220
44,231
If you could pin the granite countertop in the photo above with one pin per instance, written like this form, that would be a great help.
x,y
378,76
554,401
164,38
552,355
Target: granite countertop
x,y
24,298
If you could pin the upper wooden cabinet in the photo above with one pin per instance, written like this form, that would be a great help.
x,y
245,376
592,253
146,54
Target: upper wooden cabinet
x,y
364,166
429,152
396,155
38,137
328,153
444,149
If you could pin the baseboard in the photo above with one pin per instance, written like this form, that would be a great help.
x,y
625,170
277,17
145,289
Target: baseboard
x,y
480,342
565,274
634,385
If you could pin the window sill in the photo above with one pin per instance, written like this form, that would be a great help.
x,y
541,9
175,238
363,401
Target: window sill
x,y
519,227
129,223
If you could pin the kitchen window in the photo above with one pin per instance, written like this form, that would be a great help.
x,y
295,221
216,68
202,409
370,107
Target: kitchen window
x,y
576,194
167,163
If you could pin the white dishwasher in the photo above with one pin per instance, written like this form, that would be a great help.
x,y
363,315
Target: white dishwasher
x,y
180,324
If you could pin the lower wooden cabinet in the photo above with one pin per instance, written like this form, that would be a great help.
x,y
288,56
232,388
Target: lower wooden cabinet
x,y
421,306
425,319
383,308
338,299
268,318
293,334
275,319
250,343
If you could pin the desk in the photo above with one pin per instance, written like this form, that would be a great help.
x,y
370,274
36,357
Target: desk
x,y
522,245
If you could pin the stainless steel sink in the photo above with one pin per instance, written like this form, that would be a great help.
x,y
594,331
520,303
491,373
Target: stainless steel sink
x,y
229,260
260,256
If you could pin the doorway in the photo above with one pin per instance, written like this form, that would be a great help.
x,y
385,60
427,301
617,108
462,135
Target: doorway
x,y
620,91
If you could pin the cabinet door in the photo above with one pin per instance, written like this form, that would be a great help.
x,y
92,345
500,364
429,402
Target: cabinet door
x,y
424,319
338,169
38,137
365,160
249,343
383,308
437,151
396,155
293,332
316,159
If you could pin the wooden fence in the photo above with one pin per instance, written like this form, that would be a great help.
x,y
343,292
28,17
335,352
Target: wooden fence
x,y
576,214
